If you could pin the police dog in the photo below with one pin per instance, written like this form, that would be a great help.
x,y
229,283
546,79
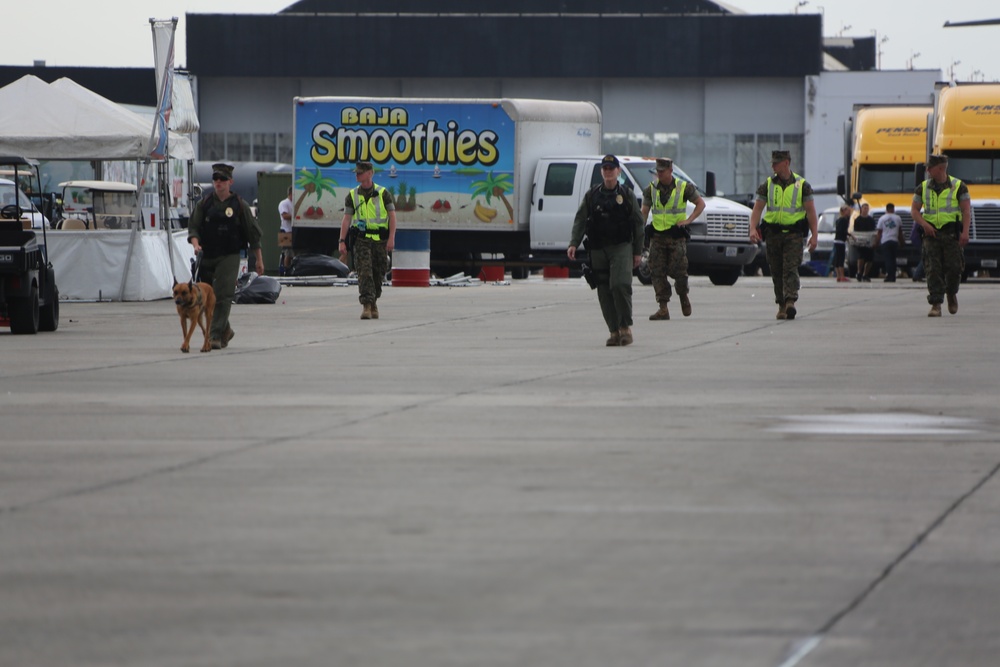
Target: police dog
x,y
195,304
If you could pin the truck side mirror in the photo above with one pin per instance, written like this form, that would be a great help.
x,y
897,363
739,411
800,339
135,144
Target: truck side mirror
x,y
841,185
710,189
919,173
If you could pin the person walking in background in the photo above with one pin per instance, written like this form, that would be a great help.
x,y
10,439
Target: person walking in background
x,y
609,217
285,210
943,209
863,237
371,214
889,237
667,197
791,212
221,227
840,242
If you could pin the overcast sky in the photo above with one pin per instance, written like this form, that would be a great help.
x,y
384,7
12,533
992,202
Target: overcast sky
x,y
115,33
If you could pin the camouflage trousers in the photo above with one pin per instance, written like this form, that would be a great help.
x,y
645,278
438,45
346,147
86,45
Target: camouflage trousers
x,y
784,255
668,257
371,264
944,263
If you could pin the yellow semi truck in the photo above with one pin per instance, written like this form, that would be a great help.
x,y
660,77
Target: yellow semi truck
x,y
883,144
965,126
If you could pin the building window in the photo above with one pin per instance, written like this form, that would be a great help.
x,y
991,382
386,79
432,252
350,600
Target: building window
x,y
213,146
245,146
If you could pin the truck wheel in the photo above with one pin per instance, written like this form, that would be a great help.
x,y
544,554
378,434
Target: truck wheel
x,y
48,315
23,313
519,272
725,277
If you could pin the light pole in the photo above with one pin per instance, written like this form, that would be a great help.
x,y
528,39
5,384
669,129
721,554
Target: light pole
x,y
885,38
801,3
843,29
951,74
913,56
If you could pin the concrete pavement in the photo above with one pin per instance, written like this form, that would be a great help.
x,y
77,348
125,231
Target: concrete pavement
x,y
475,480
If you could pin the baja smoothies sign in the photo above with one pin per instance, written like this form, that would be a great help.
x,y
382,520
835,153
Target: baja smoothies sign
x,y
434,158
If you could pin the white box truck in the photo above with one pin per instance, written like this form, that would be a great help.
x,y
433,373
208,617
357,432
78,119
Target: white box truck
x,y
486,177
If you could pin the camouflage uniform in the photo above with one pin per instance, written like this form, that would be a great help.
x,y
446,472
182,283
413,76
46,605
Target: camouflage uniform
x,y
784,247
223,228
668,249
942,256
368,255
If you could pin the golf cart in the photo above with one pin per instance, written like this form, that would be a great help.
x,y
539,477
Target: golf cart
x,y
29,298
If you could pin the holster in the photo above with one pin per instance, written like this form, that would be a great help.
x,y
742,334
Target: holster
x,y
589,276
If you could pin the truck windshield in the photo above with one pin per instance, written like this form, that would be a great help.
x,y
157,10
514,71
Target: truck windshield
x,y
11,195
886,178
644,173
975,167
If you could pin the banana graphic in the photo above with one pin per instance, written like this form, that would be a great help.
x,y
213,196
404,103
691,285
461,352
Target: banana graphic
x,y
484,214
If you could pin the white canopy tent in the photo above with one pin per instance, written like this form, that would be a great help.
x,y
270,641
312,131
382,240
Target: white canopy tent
x,y
64,121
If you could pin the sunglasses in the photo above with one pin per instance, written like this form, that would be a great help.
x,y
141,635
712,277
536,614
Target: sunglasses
x,y
218,177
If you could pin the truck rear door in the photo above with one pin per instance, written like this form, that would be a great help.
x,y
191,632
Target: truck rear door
x,y
557,191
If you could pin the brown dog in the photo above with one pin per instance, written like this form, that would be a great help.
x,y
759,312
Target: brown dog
x,y
195,302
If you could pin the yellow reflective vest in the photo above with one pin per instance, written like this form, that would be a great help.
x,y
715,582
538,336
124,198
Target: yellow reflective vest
x,y
669,214
940,208
370,217
784,204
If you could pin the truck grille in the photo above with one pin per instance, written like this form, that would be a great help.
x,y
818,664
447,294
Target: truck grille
x,y
985,223
728,225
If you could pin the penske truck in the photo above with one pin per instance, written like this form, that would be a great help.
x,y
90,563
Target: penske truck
x,y
488,178
883,144
965,126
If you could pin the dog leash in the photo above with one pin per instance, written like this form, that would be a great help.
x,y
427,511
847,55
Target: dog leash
x,y
196,266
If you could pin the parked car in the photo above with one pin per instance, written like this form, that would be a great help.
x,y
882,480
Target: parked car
x,y
17,205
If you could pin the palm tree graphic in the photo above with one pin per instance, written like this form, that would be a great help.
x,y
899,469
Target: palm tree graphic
x,y
313,184
494,186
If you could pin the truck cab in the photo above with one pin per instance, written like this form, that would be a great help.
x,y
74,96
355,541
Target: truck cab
x,y
719,246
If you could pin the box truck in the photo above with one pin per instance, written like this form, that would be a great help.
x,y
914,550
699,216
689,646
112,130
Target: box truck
x,y
965,126
883,144
489,178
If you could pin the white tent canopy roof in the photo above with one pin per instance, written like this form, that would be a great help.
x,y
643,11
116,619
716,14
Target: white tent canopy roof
x,y
64,121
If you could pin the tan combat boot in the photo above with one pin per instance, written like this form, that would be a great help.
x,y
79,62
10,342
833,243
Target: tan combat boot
x,y
685,305
935,310
662,313
614,340
227,336
374,311
782,315
952,303
625,336
366,311
790,309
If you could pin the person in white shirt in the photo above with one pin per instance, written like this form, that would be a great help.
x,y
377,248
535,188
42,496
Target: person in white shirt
x,y
285,211
889,236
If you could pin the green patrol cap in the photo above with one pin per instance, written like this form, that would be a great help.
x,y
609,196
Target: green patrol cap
x,y
778,156
664,163
363,166
222,169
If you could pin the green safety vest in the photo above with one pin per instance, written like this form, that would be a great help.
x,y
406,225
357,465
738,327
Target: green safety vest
x,y
667,215
370,216
784,205
940,208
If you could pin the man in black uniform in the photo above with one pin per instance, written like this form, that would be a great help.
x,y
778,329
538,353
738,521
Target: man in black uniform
x,y
609,217
221,227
